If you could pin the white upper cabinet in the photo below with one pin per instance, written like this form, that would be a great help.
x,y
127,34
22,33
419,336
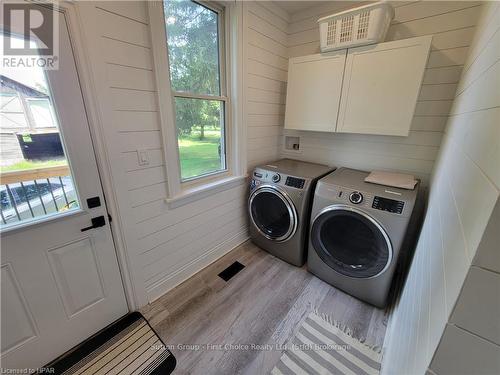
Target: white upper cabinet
x,y
313,92
369,90
381,86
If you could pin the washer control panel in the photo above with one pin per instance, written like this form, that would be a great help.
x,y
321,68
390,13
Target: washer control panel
x,y
389,205
262,176
356,197
295,182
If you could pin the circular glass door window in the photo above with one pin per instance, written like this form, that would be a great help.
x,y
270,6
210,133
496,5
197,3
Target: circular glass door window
x,y
272,214
351,243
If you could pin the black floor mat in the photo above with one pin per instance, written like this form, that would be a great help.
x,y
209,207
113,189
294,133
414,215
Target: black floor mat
x,y
129,344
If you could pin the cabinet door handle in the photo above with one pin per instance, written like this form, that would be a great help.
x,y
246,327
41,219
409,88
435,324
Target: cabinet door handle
x,y
97,222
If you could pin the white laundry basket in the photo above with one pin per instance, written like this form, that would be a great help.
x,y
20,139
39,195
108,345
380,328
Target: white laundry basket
x,y
355,27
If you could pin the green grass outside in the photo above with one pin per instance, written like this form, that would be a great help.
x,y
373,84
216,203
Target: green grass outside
x,y
199,157
28,164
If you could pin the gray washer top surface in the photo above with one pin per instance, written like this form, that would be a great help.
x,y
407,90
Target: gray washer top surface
x,y
297,168
355,179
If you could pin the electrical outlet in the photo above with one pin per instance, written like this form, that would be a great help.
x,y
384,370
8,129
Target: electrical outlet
x,y
143,157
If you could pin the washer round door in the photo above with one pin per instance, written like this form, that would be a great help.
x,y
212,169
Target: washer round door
x,y
351,242
273,213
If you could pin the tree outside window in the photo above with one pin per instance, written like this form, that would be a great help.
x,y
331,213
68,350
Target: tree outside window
x,y
196,61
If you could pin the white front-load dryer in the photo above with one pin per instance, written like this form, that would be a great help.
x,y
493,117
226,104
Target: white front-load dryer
x,y
356,233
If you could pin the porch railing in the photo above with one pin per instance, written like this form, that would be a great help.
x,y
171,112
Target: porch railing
x,y
33,174
35,193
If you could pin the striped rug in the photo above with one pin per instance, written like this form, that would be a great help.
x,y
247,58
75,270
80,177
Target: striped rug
x,y
127,347
319,347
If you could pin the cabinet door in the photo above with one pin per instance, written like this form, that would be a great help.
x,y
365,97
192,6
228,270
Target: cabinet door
x,y
381,86
313,93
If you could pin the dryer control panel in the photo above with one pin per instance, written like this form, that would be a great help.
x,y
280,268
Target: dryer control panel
x,y
364,199
295,182
261,176
389,205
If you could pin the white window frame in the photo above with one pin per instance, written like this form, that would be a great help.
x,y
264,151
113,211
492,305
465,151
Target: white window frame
x,y
231,77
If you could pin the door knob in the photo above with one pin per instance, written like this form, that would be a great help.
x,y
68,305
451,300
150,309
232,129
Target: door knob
x,y
97,222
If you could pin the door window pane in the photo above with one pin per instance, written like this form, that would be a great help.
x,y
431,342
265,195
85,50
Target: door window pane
x,y
200,136
193,47
35,179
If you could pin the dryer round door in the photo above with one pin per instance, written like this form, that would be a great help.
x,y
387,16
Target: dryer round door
x,y
273,213
351,242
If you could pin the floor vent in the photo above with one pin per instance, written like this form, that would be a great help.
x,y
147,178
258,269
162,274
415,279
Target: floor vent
x,y
230,271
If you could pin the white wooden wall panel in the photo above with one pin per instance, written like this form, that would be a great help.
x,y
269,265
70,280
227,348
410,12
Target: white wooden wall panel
x,y
152,244
264,25
130,9
464,191
266,67
210,233
452,25
187,238
136,121
267,43
125,77
122,53
115,26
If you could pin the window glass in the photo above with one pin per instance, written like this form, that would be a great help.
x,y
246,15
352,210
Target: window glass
x,y
35,178
194,56
193,47
200,136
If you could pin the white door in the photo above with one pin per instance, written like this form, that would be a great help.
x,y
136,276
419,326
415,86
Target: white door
x,y
381,86
313,92
59,284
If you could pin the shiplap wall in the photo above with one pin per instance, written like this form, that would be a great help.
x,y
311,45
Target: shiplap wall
x,y
266,65
452,24
464,191
164,246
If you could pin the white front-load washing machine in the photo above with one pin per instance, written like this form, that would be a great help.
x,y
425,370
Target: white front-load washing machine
x,y
356,233
279,206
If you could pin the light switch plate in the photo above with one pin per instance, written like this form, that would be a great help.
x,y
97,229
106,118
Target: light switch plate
x,y
143,157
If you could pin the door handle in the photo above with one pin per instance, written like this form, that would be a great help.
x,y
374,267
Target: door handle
x,y
97,222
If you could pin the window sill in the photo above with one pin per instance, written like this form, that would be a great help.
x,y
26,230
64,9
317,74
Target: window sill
x,y
198,192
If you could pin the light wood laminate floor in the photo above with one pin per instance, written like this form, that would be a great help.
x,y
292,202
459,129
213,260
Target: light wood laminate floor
x,y
263,304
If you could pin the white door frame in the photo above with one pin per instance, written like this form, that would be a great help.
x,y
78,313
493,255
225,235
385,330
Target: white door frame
x,y
88,87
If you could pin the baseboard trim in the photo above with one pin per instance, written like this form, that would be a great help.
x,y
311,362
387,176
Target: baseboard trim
x,y
171,280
